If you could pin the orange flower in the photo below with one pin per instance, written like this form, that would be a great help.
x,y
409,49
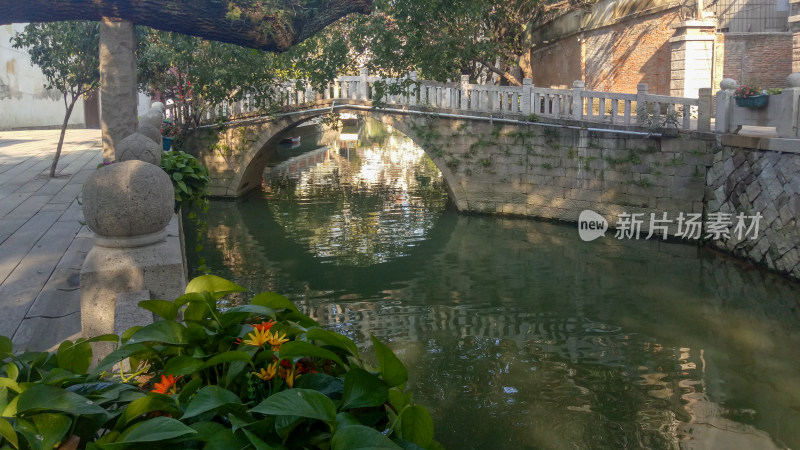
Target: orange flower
x,y
269,373
167,385
264,326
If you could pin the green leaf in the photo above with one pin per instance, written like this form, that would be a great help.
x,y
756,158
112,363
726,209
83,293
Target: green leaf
x,y
226,357
363,389
210,398
293,349
216,286
298,402
143,405
6,347
392,369
189,390
45,397
44,431
397,398
258,444
153,430
163,331
356,437
8,433
177,176
274,301
331,338
183,187
320,382
12,371
416,425
182,365
253,309
11,384
118,355
161,308
226,440
75,357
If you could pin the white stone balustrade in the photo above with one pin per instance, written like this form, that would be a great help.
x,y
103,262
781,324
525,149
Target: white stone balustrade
x,y
781,112
526,100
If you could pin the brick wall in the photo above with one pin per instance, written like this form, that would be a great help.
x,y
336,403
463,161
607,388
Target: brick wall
x,y
612,58
559,64
764,59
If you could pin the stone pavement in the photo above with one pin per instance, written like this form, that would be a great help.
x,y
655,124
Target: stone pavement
x,y
42,239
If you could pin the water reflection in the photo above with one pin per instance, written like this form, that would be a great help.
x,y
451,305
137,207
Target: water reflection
x,y
519,335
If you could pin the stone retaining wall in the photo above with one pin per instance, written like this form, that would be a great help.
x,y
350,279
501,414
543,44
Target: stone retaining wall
x,y
745,180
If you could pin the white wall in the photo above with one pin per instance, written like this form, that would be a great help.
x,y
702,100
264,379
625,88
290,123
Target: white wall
x,y
24,102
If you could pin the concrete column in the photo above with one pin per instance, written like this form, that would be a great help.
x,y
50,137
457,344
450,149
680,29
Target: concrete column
x,y
704,109
641,98
794,27
412,90
363,91
691,59
117,83
464,91
577,99
724,105
789,117
527,87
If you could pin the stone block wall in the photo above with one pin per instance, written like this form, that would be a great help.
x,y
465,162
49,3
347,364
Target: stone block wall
x,y
764,59
555,173
743,180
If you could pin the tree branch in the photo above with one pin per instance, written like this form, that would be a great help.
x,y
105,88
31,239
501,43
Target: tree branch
x,y
265,30
506,76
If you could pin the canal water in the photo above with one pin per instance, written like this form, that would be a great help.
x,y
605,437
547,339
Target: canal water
x,y
516,333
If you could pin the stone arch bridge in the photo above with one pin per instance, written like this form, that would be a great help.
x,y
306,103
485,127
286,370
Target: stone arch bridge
x,y
523,151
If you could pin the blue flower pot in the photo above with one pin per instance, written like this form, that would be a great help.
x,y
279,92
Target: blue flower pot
x,y
755,101
166,142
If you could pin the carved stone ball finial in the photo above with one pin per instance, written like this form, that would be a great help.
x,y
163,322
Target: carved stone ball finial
x,y
158,106
128,204
150,131
140,147
154,118
727,84
793,80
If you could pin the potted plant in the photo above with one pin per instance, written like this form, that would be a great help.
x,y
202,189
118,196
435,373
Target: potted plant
x,y
169,131
750,97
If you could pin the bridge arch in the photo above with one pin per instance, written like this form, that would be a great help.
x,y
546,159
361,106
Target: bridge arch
x,y
253,159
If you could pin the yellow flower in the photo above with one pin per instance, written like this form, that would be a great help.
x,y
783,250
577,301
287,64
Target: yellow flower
x,y
276,341
269,373
258,338
288,375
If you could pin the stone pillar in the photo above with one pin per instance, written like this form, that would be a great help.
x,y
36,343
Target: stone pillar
x,y
413,89
704,109
464,88
129,206
727,88
692,57
578,87
641,98
788,120
117,83
527,87
363,91
794,27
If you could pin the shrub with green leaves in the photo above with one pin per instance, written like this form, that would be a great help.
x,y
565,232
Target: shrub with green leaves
x,y
261,375
189,178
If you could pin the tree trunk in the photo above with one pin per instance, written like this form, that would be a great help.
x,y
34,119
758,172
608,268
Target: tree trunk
x,y
61,138
265,30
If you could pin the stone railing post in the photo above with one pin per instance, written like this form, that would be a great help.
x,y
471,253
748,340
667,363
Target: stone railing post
x,y
790,108
577,99
413,89
363,85
641,99
724,105
447,95
527,88
704,109
464,88
794,27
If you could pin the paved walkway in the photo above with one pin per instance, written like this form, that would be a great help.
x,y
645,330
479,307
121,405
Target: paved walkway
x,y
42,239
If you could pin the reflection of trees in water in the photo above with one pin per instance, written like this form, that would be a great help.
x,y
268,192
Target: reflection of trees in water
x,y
366,207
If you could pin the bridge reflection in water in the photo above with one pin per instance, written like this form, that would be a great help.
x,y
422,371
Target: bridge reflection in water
x,y
516,334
